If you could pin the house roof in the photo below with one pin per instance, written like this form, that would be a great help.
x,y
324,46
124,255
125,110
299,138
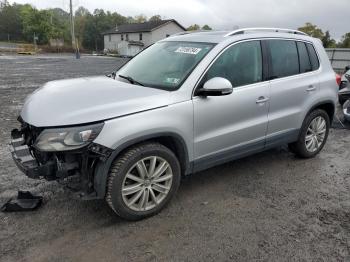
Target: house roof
x,y
140,27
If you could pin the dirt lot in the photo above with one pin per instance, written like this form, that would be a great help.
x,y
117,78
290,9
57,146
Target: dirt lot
x,y
267,207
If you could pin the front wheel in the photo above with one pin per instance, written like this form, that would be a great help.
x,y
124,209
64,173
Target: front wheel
x,y
142,181
313,134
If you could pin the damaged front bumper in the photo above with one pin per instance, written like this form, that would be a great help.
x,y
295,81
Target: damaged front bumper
x,y
61,166
25,161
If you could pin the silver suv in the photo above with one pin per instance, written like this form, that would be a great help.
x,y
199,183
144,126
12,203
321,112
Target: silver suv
x,y
184,104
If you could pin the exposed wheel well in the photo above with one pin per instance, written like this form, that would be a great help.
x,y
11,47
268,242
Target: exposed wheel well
x,y
172,141
177,147
328,107
174,144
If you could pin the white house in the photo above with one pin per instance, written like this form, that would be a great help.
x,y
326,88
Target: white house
x,y
129,39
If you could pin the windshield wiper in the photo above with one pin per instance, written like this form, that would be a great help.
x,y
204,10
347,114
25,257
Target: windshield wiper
x,y
131,80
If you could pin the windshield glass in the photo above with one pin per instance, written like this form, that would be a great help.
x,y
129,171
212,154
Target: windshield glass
x,y
165,65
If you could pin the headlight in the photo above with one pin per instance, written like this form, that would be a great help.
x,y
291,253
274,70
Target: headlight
x,y
63,139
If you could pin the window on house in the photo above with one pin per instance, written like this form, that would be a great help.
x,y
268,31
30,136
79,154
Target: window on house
x,y
122,37
127,37
110,38
140,37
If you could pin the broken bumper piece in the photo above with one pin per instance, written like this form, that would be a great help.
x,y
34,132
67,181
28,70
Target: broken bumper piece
x,y
27,163
25,202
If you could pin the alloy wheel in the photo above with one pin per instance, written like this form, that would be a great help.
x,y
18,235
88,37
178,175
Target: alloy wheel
x,y
315,134
147,183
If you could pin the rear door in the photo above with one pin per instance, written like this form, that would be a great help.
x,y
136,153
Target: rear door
x,y
293,87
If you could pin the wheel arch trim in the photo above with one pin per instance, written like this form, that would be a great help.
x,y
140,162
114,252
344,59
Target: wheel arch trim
x,y
102,168
319,105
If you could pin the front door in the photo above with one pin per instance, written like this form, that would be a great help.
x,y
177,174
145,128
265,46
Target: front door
x,y
227,127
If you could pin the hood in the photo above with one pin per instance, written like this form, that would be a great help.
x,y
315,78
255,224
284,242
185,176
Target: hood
x,y
86,100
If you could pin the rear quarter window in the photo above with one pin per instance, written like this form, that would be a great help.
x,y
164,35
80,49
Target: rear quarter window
x,y
315,63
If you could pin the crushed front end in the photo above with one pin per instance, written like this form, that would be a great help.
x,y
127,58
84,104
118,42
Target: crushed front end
x,y
65,154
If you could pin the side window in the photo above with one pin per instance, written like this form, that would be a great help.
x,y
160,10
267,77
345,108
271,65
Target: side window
x,y
284,58
304,60
313,57
241,64
122,37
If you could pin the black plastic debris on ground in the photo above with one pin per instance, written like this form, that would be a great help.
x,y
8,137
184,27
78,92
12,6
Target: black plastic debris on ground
x,y
25,201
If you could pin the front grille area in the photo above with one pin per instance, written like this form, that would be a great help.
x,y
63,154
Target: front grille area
x,y
55,165
30,133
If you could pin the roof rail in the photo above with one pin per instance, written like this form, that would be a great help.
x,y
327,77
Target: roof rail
x,y
241,31
190,32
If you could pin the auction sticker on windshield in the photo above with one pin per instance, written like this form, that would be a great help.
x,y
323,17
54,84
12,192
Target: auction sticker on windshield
x,y
171,80
188,50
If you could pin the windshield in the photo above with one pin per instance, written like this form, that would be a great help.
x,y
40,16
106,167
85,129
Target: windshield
x,y
165,65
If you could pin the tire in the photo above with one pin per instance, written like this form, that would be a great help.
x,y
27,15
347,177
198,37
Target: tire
x,y
133,171
302,147
342,101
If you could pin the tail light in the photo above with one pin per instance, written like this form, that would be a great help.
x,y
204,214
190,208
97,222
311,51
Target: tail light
x,y
338,79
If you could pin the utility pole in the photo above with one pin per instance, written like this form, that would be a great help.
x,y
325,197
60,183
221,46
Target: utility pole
x,y
35,38
74,45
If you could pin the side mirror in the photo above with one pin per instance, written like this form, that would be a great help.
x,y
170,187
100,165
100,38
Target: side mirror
x,y
217,86
112,75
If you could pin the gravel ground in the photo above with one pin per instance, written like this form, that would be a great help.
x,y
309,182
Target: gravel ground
x,y
267,207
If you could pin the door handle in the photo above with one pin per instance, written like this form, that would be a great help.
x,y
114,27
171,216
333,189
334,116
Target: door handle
x,y
311,88
262,99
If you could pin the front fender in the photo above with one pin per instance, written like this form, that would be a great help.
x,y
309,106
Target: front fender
x,y
102,168
174,121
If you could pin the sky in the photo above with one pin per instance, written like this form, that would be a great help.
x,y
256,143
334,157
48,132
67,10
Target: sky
x,y
226,14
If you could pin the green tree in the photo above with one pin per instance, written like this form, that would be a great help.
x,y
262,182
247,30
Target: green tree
x,y
312,30
327,41
60,26
193,27
81,11
116,19
38,23
206,27
345,41
11,22
155,18
95,25
80,19
140,18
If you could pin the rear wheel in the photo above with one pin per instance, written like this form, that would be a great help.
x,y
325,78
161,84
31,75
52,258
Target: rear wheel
x,y
313,134
142,181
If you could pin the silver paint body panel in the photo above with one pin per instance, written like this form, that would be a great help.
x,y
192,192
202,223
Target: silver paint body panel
x,y
208,126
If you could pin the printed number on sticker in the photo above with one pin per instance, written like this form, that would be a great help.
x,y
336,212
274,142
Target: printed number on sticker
x,y
188,50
